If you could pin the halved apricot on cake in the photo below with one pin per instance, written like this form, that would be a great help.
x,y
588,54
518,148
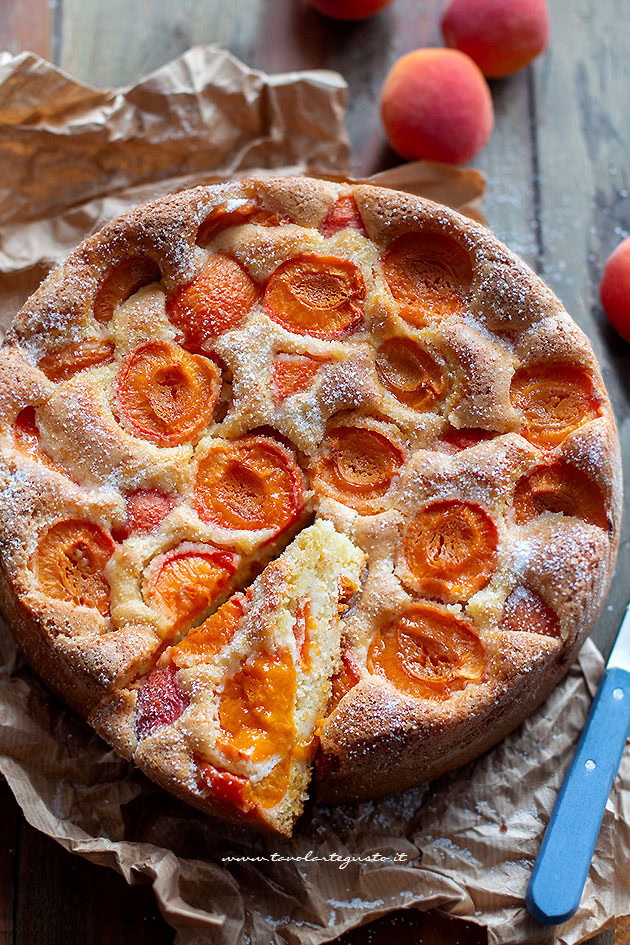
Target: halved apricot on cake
x,y
167,395
526,612
315,295
449,550
147,509
554,400
357,466
69,563
429,275
186,581
26,438
293,373
215,301
410,373
559,487
160,701
344,214
233,213
123,281
71,358
428,652
248,484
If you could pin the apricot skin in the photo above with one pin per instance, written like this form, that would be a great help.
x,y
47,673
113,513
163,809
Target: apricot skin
x,y
501,36
614,289
349,9
436,106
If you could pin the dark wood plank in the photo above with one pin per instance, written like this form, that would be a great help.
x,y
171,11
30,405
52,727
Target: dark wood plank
x,y
63,898
9,817
582,128
98,49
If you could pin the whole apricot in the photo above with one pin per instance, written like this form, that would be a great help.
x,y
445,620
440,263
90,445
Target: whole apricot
x,y
349,9
614,289
501,36
436,105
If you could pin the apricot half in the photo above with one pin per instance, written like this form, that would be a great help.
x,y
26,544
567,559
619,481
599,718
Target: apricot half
x,y
559,487
429,275
184,582
225,216
344,214
202,643
74,357
256,708
526,612
26,438
554,400
436,106
147,509
123,281
160,701
215,301
69,562
357,466
449,550
166,394
250,483
410,373
293,373
428,653
315,295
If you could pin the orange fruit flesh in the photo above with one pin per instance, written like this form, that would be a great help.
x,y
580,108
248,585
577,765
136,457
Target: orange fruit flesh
x,y
251,483
205,641
527,612
69,562
215,301
256,714
293,373
554,400
410,373
221,218
72,358
344,213
166,394
187,581
123,281
429,275
450,549
358,464
559,487
315,295
427,653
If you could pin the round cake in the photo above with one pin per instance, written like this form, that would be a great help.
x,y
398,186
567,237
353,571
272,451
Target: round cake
x,y
295,471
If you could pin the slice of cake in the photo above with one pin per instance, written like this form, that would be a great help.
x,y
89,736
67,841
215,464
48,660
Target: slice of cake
x,y
228,717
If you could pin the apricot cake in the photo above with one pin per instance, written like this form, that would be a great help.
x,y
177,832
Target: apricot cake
x,y
296,469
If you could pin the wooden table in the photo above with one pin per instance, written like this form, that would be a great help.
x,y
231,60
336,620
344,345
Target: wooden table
x,y
559,176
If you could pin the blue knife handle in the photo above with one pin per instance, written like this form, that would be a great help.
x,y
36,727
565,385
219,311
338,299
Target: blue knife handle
x,y
557,882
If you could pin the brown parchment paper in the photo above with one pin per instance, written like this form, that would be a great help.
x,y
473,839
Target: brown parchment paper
x,y
72,157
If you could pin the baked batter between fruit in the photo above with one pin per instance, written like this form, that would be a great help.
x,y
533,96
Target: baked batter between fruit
x,y
297,470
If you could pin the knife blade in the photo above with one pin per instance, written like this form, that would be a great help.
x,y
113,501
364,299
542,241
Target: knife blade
x,y
559,875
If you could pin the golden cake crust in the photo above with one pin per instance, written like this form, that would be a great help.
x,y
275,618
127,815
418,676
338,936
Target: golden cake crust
x,y
503,328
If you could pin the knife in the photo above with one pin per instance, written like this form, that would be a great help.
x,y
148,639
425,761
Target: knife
x,y
557,881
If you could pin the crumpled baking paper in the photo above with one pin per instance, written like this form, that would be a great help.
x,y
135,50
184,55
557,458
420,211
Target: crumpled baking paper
x,y
73,157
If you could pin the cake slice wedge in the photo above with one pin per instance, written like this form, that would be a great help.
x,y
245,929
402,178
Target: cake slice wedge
x,y
228,718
